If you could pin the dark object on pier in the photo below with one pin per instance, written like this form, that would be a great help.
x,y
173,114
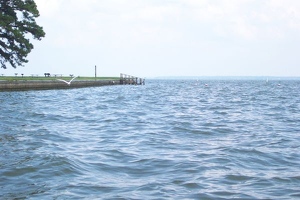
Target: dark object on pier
x,y
47,74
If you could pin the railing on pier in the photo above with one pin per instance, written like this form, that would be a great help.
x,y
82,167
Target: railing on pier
x,y
131,80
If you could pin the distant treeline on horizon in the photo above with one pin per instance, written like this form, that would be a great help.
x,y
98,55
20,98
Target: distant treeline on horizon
x,y
226,77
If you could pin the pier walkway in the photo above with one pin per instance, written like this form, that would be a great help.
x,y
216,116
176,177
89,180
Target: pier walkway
x,y
126,79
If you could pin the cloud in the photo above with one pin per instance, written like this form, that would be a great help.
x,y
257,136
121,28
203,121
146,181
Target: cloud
x,y
176,34
249,19
48,8
156,21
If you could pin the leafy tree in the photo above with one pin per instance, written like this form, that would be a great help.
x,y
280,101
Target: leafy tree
x,y
17,23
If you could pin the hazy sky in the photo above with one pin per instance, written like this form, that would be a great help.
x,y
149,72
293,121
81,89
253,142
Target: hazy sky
x,y
149,38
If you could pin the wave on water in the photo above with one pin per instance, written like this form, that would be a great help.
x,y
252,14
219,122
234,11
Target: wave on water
x,y
168,139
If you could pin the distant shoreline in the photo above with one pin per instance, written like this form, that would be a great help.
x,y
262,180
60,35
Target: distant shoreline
x,y
226,77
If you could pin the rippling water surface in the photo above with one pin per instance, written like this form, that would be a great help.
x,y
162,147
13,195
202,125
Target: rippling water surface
x,y
166,140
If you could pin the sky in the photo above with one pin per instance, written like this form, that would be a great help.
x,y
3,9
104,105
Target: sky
x,y
152,38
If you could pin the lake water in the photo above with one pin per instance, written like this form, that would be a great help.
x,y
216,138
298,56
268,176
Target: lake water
x,y
168,139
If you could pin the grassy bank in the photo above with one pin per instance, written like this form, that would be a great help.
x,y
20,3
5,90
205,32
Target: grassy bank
x,y
41,78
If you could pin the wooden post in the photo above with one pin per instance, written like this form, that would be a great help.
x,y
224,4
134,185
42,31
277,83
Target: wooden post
x,y
121,79
95,72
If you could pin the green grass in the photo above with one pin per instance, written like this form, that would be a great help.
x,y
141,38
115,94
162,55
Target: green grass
x,y
42,78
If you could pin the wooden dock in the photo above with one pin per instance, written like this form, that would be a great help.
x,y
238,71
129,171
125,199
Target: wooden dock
x,y
126,79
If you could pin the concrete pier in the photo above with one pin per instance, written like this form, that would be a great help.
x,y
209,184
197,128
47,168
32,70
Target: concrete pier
x,y
48,84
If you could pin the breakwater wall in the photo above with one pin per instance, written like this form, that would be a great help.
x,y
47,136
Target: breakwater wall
x,y
47,84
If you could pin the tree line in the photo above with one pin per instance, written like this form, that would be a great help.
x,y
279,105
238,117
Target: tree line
x,y
17,26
